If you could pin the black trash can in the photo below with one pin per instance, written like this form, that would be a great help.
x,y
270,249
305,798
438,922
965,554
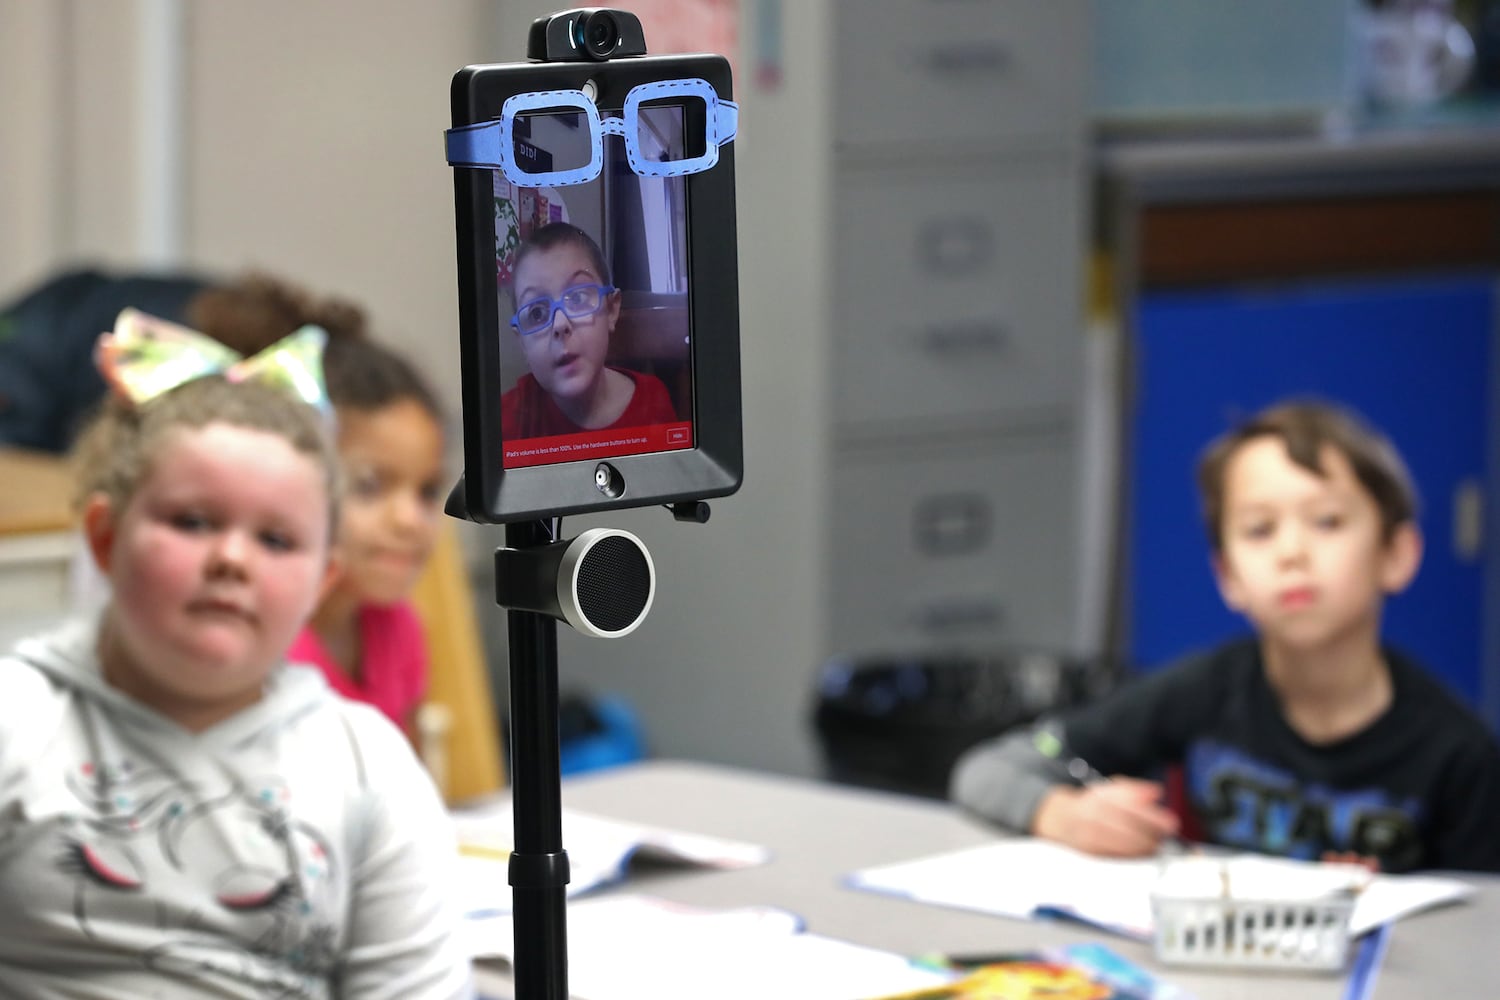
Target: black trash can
x,y
901,724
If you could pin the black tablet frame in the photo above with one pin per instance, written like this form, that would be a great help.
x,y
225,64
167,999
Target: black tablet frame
x,y
489,493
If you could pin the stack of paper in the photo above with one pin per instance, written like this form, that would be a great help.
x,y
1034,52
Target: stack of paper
x,y
599,853
632,947
1025,878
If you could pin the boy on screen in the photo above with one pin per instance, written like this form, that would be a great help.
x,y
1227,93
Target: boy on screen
x,y
565,314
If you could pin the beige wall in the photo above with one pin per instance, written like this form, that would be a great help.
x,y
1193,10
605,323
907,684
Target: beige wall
x,y
311,136
35,164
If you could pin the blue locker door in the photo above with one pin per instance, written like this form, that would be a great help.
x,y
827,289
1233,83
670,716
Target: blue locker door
x,y
1412,356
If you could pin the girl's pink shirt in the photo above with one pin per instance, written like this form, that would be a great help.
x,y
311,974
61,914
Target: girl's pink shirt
x,y
393,676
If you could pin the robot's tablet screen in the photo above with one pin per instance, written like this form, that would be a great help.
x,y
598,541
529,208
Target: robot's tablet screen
x,y
598,288
594,289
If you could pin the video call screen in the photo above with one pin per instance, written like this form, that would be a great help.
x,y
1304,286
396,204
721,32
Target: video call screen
x,y
595,331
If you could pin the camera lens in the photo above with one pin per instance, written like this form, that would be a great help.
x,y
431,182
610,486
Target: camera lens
x,y
600,34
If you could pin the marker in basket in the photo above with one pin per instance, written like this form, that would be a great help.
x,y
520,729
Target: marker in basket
x,y
1049,742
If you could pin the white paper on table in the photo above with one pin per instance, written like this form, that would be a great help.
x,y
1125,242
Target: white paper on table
x,y
1020,877
1390,897
599,850
1026,877
634,947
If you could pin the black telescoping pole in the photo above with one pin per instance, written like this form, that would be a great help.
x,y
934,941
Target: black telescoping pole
x,y
538,863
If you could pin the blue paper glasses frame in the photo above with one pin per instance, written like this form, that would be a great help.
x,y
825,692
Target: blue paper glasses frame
x,y
576,302
492,145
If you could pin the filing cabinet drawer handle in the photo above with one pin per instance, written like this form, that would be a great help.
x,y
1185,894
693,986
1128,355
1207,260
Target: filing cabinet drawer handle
x,y
1468,521
964,59
951,524
966,339
954,615
955,246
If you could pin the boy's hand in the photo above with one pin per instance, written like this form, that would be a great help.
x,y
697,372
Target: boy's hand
x,y
1122,817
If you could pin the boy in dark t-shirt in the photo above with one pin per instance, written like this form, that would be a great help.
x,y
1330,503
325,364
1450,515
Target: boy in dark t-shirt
x,y
1311,740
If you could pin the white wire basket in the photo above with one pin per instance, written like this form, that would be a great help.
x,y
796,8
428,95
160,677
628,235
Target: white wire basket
x,y
1229,924
1307,935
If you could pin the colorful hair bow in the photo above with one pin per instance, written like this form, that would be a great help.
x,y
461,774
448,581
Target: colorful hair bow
x,y
146,356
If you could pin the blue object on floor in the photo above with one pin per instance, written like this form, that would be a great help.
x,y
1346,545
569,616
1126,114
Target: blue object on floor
x,y
598,732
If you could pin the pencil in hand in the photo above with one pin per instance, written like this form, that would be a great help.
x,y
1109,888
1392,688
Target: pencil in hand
x,y
1049,742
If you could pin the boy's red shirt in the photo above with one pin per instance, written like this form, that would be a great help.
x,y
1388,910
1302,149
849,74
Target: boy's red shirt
x,y
527,411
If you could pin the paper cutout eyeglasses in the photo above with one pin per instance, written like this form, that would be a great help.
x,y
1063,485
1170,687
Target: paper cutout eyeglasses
x,y
146,356
492,144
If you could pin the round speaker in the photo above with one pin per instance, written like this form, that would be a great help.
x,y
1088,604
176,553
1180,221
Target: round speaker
x,y
605,583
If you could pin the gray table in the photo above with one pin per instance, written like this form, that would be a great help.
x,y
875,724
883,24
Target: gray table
x,y
821,832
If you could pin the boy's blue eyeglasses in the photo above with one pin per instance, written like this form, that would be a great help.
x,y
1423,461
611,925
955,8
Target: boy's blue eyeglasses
x,y
492,144
576,302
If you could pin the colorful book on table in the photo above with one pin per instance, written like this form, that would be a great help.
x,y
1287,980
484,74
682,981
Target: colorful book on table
x,y
1086,971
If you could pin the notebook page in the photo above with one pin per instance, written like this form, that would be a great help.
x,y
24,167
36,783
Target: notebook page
x,y
599,850
634,947
1028,877
1018,877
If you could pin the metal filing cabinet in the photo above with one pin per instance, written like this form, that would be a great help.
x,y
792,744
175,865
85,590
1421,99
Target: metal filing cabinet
x,y
912,194
958,189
